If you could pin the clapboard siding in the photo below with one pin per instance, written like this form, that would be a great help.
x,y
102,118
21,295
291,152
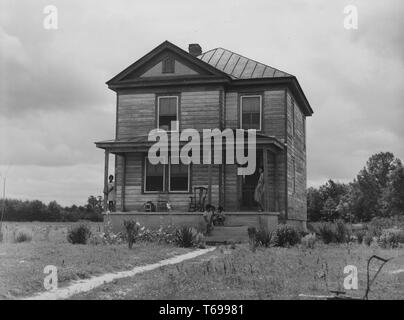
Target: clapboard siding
x,y
135,115
200,110
296,161
135,198
274,114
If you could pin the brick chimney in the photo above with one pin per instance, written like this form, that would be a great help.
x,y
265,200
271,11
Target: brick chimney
x,y
195,49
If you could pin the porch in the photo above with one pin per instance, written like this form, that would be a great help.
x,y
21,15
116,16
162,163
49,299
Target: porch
x,y
266,220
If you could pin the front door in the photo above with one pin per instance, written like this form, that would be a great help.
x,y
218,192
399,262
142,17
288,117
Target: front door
x,y
248,184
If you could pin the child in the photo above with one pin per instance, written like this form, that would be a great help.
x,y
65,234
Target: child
x,y
207,217
219,217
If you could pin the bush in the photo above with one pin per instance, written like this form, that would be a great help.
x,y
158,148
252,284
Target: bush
x,y
309,240
22,236
360,235
165,234
342,233
132,230
78,234
326,232
367,239
263,238
188,237
285,236
388,239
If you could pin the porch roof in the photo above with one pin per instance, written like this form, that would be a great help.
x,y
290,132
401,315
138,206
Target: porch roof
x,y
140,143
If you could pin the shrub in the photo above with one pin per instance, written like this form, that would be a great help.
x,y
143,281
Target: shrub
x,y
342,233
132,230
285,236
263,238
78,234
165,234
388,239
188,237
326,232
22,236
368,238
360,235
309,240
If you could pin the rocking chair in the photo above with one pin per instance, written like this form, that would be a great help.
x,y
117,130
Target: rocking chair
x,y
197,201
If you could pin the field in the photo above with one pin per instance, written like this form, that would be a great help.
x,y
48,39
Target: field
x,y
22,264
229,272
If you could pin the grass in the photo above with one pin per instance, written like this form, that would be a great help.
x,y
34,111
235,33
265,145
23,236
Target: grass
x,y
22,264
271,273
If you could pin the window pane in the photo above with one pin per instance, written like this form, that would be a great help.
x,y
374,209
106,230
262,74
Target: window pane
x,y
251,113
167,112
154,177
178,177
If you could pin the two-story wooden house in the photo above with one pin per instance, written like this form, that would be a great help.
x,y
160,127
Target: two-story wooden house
x,y
215,89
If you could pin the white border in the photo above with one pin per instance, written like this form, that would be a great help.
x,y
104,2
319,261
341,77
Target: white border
x,y
241,109
158,113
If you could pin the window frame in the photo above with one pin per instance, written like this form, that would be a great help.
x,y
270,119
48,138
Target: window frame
x,y
146,160
158,112
169,178
241,109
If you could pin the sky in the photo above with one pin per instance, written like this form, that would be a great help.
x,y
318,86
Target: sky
x,y
54,103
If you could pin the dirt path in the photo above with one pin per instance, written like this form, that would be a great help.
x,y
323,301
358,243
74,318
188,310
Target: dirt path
x,y
83,286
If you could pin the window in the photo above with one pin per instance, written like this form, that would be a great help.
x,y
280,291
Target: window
x,y
154,177
179,178
168,65
167,111
250,113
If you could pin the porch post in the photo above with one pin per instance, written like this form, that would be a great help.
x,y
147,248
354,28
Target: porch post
x,y
123,182
276,182
210,183
266,182
106,165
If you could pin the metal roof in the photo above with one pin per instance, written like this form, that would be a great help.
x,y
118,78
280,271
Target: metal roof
x,y
238,66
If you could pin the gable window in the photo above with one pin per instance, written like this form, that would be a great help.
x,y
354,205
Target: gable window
x,y
178,178
250,112
154,177
168,65
167,111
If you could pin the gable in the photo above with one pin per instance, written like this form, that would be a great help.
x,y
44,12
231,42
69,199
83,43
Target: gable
x,y
149,70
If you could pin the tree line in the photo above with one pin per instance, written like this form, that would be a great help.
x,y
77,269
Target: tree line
x,y
35,210
377,191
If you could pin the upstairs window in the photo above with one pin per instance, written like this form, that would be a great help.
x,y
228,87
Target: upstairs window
x,y
154,177
167,111
179,178
168,65
250,112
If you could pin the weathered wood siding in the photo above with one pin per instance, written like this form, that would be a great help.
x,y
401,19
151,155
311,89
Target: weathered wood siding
x,y
135,197
296,161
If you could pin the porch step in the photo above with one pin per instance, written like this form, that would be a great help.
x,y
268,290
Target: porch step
x,y
229,234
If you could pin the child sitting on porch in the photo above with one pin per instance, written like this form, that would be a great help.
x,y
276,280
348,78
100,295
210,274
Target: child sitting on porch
x,y
218,218
208,218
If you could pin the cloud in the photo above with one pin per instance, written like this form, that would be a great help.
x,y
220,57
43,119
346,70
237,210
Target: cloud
x,y
54,102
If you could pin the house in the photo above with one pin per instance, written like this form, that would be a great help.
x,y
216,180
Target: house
x,y
215,89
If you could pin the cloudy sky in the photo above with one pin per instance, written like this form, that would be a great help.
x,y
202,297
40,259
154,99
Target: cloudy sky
x,y
54,102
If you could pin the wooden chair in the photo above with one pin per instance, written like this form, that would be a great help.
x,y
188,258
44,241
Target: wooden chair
x,y
197,201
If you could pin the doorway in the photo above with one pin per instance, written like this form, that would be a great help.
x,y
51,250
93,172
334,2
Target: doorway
x,y
248,184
